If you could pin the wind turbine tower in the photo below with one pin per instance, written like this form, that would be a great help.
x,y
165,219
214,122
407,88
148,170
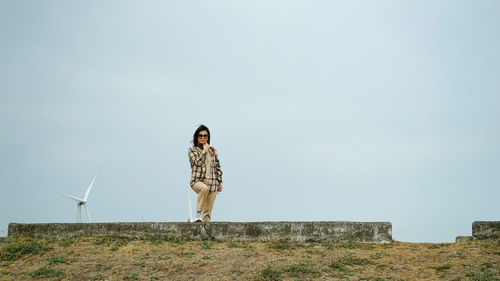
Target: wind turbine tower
x,y
81,202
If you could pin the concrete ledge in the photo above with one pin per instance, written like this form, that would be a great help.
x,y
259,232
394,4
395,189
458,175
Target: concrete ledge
x,y
463,239
486,229
337,231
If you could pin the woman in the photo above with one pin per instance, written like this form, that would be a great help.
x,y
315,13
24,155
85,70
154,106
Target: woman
x,y
206,175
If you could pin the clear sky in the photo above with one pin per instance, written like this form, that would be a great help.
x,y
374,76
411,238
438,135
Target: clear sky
x,y
320,110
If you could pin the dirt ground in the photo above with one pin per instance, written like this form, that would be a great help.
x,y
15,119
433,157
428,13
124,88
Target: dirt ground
x,y
170,259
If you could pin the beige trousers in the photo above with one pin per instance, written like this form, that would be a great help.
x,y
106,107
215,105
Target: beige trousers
x,y
205,201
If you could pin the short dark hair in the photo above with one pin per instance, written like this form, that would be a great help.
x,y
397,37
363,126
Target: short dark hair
x,y
195,135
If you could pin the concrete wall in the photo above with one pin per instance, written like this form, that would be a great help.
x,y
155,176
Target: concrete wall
x,y
486,229
338,231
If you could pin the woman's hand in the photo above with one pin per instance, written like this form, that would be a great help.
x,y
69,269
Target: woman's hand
x,y
220,188
206,147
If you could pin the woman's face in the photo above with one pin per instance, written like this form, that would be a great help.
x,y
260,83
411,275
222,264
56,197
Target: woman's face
x,y
202,137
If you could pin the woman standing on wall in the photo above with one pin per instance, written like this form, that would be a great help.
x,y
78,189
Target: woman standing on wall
x,y
206,175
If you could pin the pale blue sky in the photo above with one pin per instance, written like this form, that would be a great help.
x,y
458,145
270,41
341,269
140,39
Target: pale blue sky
x,y
320,110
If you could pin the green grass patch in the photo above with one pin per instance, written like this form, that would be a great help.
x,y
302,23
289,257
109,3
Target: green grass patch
x,y
57,260
314,252
121,241
348,260
234,244
327,244
270,273
104,241
46,272
247,255
339,266
65,242
377,255
115,242
282,245
488,264
236,272
100,267
484,276
187,254
179,267
140,264
303,267
96,277
131,276
352,260
443,267
19,248
162,239
206,244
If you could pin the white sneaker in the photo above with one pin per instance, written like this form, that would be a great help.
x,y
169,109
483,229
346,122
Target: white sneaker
x,y
198,217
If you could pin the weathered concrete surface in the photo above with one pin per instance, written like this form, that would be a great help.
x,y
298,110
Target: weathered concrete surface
x,y
486,229
338,231
463,238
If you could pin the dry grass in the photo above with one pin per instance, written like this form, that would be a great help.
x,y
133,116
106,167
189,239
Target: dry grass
x,y
170,259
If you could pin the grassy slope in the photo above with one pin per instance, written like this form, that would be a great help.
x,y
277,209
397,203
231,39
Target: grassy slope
x,y
164,259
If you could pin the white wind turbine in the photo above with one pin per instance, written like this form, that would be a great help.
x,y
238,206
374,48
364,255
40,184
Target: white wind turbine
x,y
79,201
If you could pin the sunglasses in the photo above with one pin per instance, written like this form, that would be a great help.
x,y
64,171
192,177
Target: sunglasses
x,y
202,136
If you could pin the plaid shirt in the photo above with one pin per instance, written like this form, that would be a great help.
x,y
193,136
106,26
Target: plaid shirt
x,y
197,158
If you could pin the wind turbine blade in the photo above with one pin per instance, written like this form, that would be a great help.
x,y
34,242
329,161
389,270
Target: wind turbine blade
x,y
90,186
69,196
86,209
190,208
